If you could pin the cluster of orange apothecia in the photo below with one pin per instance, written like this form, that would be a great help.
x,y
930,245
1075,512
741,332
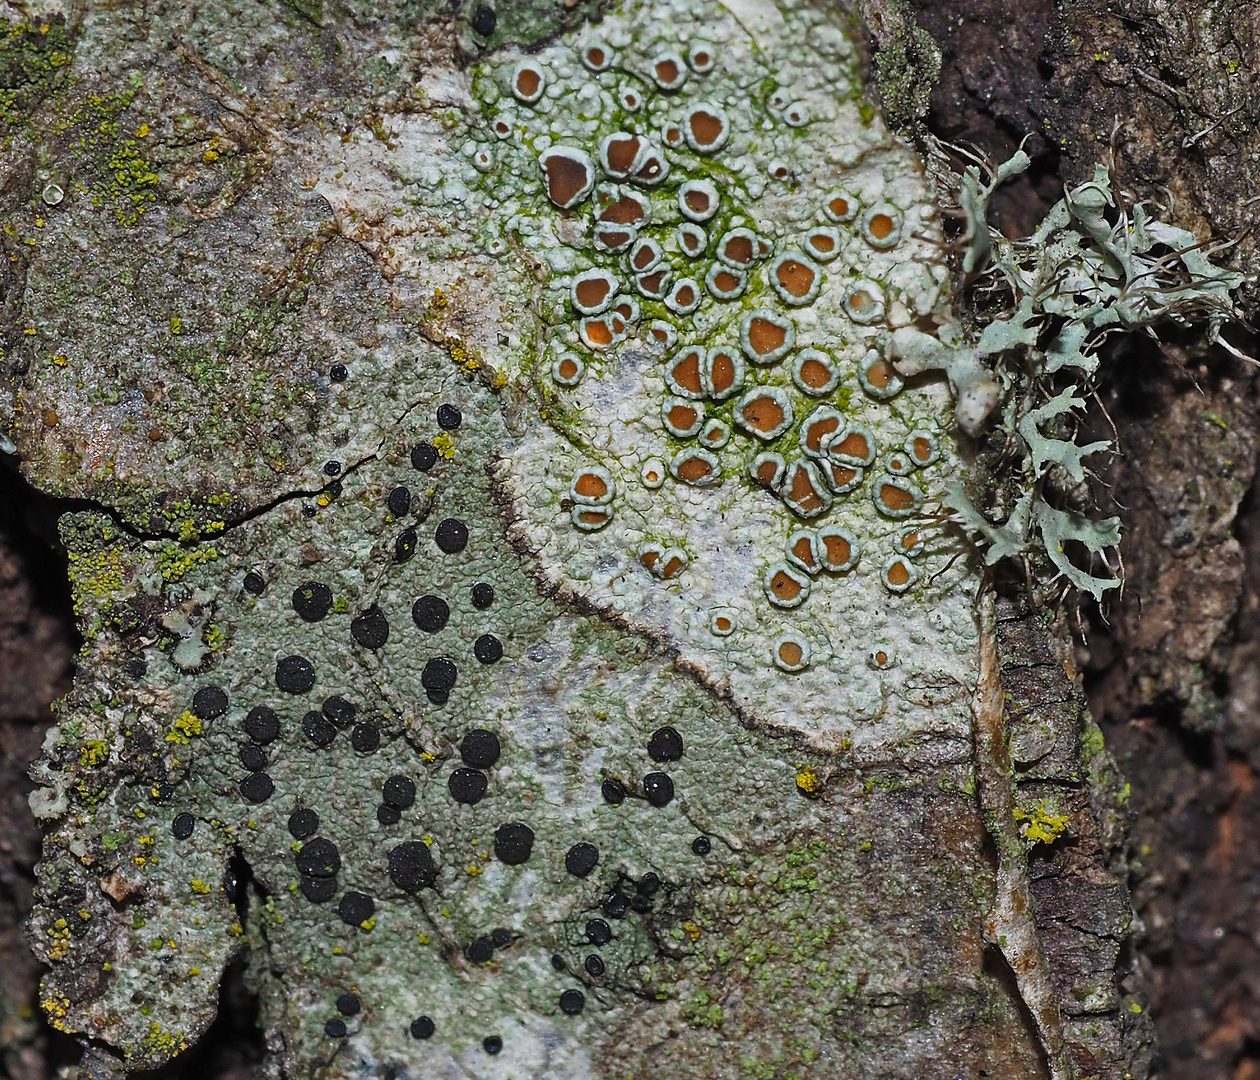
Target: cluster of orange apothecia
x,y
754,405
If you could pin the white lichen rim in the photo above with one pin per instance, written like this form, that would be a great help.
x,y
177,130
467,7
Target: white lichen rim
x,y
870,309
800,580
662,59
643,176
816,482
911,448
557,373
719,115
737,376
852,206
593,343
694,408
652,473
820,414
780,397
764,458
605,144
796,114
655,254
677,306
899,483
704,187
662,334
592,62
603,476
531,66
680,357
838,487
817,356
793,299
716,291
789,550
596,274
715,434
772,356
831,446
790,638
740,233
712,477
701,57
631,98
606,229
664,279
691,229
895,383
889,567
717,618
823,255
850,538
570,153
890,239
899,463
916,545
590,518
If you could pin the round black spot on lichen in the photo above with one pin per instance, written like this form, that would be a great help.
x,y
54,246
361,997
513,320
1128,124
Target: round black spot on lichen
x,y
482,595
399,791
616,904
371,629
640,903
405,545
658,788
183,825
480,748
318,858
303,823
388,815
135,668
581,859
467,785
335,1029
439,674
614,791
598,932
423,456
312,600
479,950
262,724
308,511
340,711
572,1002
318,890
365,738
319,729
449,417
348,1004
649,884
399,501
594,966
356,908
411,867
492,1044
422,1028
513,842
295,674
451,535
253,757
701,845
501,937
484,20
487,648
430,613
332,468
209,702
338,373
665,745
557,962
257,787
254,582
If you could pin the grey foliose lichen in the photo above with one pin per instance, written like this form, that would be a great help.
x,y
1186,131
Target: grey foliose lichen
x,y
540,655
1095,266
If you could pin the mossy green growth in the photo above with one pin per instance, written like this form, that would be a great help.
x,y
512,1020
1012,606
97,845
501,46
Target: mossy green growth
x,y
34,62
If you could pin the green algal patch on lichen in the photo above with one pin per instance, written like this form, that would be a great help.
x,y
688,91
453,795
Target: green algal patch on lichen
x,y
34,63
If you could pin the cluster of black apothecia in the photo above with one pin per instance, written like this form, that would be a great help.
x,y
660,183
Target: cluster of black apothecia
x,y
411,867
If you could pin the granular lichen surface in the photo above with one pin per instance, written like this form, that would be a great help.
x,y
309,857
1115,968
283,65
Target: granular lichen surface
x,y
517,613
